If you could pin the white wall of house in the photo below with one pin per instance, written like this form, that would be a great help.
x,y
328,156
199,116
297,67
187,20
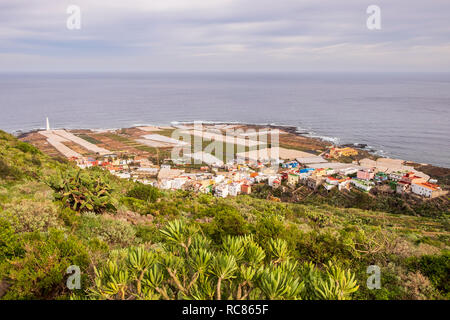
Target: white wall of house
x,y
421,190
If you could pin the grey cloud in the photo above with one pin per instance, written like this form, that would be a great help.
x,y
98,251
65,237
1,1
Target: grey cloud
x,y
238,34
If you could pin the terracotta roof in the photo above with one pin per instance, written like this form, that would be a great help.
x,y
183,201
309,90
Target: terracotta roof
x,y
428,185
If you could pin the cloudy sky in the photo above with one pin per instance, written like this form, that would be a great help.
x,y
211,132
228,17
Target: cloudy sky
x,y
224,35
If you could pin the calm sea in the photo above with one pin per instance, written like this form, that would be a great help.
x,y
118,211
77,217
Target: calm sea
x,y
399,115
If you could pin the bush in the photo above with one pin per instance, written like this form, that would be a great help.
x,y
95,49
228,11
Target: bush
x,y
227,221
9,242
7,171
26,147
136,205
68,216
434,267
144,192
27,215
148,233
109,230
40,272
269,227
417,286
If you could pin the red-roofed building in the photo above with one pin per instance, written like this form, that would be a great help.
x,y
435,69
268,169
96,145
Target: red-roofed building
x,y
332,180
427,189
246,189
411,178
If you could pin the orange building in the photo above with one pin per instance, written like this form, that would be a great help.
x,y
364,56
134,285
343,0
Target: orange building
x,y
246,189
343,152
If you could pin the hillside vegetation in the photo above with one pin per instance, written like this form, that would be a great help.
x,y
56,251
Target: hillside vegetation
x,y
132,241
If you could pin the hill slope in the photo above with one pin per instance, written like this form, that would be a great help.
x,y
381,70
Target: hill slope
x,y
149,244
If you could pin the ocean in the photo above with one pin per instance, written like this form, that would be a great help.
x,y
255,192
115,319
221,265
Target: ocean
x,y
398,115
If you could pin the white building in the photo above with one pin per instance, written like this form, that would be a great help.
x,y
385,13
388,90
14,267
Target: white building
x,y
165,184
424,189
234,189
261,178
343,185
271,179
363,185
221,190
177,183
328,186
219,178
348,171
123,175
333,181
397,175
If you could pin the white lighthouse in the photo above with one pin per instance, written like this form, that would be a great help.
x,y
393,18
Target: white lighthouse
x,y
48,125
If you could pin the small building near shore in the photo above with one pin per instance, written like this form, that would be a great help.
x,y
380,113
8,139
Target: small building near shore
x,y
343,152
428,190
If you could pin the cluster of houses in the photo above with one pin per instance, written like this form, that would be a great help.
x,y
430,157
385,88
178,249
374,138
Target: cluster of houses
x,y
392,172
409,182
235,180
238,176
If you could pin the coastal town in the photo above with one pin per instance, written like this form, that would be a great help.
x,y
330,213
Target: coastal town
x,y
143,154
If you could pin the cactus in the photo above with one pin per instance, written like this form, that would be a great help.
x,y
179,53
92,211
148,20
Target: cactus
x,y
83,191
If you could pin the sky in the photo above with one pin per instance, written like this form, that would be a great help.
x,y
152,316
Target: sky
x,y
225,35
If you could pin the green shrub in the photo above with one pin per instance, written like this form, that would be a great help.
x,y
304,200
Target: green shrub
x,y
26,215
112,231
136,205
9,241
144,192
40,272
68,216
434,267
227,221
323,247
36,161
26,147
148,233
8,172
269,227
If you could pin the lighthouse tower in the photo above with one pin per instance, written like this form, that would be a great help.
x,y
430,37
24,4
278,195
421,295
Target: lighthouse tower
x,y
48,125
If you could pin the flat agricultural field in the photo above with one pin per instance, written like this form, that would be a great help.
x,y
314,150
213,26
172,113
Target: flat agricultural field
x,y
138,140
